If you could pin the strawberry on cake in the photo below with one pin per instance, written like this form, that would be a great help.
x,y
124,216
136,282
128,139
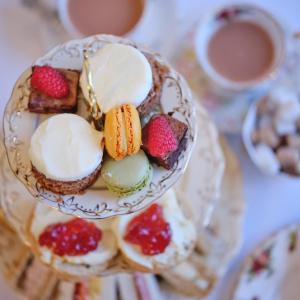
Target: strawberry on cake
x,y
164,138
53,90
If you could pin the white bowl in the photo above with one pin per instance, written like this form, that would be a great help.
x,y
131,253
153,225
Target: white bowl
x,y
264,165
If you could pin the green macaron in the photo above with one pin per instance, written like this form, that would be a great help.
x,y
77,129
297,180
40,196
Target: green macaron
x,y
128,175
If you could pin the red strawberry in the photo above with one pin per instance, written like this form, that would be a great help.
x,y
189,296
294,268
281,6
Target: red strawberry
x,y
158,137
49,81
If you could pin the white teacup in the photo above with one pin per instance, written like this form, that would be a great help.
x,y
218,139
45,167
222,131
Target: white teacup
x,y
74,32
212,22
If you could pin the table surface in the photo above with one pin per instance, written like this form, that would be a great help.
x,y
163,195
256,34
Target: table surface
x,y
272,202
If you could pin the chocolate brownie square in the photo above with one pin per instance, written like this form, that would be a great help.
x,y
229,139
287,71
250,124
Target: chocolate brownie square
x,y
152,103
44,104
179,130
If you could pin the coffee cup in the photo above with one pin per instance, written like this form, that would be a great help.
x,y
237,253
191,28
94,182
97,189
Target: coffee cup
x,y
82,18
240,48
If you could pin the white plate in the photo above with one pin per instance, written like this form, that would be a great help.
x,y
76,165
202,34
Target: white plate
x,y
97,201
272,272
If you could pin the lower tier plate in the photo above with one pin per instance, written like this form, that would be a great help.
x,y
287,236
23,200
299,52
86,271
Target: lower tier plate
x,y
216,245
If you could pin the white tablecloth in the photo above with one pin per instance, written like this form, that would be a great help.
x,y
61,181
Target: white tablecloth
x,y
271,202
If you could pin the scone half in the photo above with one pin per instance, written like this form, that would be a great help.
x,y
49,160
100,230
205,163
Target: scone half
x,y
91,263
181,242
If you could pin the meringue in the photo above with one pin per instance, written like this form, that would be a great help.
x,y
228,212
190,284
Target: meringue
x,y
66,148
120,74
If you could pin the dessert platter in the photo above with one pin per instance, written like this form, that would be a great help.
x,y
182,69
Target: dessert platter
x,y
58,104
101,131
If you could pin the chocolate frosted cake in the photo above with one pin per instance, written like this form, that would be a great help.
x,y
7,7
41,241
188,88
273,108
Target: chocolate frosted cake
x,y
66,187
40,102
152,102
178,131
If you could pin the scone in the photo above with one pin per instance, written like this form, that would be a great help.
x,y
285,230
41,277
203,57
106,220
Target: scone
x,y
71,245
66,154
157,237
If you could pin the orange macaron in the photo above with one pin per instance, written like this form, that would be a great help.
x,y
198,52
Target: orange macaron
x,y
122,131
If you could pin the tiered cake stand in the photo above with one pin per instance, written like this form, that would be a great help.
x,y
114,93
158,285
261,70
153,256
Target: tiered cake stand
x,y
211,200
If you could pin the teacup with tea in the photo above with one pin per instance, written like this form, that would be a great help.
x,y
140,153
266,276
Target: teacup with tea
x,y
240,47
88,17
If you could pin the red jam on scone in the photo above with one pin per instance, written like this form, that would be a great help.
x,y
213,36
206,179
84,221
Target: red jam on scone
x,y
156,238
150,231
72,238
